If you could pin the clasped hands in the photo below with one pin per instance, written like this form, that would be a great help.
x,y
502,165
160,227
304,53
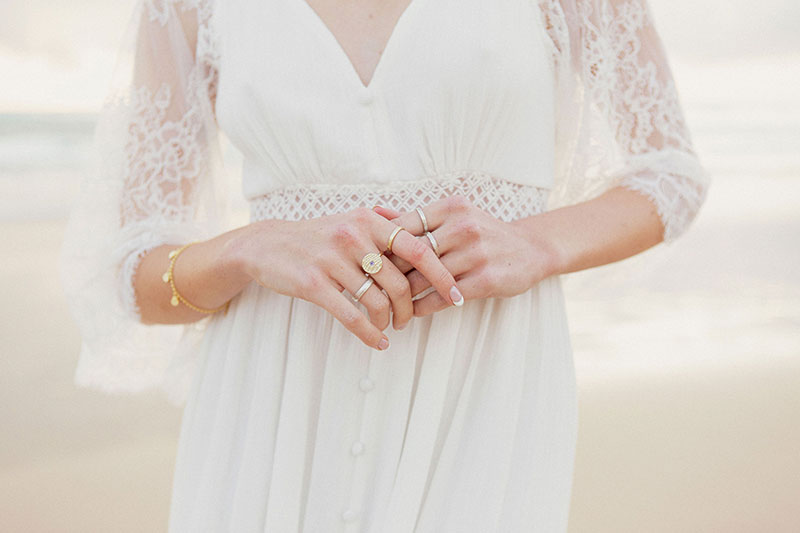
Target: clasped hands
x,y
480,256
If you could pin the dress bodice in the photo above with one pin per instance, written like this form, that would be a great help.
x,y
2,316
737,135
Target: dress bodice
x,y
467,92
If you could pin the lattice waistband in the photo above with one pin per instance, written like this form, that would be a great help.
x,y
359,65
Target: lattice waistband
x,y
501,198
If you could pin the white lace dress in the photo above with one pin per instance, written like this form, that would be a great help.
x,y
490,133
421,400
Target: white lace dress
x,y
467,423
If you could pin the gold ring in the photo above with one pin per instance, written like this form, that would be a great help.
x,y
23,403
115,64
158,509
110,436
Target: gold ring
x,y
395,231
422,218
434,244
364,287
372,263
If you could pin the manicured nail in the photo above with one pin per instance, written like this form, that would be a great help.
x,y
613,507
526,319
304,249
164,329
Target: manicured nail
x,y
401,327
455,295
374,207
383,344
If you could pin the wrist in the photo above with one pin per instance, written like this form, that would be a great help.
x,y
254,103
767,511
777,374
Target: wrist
x,y
238,255
547,254
233,257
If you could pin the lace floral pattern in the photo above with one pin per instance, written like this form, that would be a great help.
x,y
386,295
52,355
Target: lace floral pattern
x,y
165,158
501,198
624,111
155,181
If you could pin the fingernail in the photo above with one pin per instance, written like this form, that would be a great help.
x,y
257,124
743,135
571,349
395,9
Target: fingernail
x,y
383,344
456,296
402,327
374,207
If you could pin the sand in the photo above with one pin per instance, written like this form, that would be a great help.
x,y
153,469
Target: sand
x,y
688,362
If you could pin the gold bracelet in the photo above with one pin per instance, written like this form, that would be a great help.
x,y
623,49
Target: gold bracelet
x,y
176,296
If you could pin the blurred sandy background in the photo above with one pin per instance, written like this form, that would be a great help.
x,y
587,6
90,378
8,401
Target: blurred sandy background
x,y
688,356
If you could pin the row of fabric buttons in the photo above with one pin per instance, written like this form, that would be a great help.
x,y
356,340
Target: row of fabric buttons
x,y
365,384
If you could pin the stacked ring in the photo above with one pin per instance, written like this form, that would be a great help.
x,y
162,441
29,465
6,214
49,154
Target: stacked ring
x,y
422,218
364,287
434,244
395,231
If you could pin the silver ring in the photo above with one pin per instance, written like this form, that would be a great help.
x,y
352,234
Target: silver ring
x,y
422,218
434,244
364,287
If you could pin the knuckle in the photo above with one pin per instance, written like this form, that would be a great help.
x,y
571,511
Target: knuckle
x,y
481,253
382,304
400,286
444,277
470,228
362,215
458,203
488,281
344,234
351,318
310,283
418,251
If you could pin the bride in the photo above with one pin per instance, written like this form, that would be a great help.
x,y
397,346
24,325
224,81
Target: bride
x,y
433,166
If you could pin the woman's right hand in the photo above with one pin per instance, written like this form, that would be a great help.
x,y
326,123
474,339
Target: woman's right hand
x,y
316,259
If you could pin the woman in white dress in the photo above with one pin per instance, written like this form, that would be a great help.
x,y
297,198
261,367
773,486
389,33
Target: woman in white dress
x,y
538,137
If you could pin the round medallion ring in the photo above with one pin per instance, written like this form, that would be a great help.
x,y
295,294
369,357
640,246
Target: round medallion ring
x,y
372,263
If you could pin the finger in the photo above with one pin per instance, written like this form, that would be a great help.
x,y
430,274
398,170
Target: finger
x,y
386,212
401,264
376,303
458,262
433,302
422,258
435,214
396,285
405,267
346,271
343,309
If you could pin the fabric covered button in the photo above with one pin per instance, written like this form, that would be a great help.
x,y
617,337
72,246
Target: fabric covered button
x,y
365,97
349,515
357,448
366,384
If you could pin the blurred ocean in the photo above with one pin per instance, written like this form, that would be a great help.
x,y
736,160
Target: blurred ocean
x,y
42,160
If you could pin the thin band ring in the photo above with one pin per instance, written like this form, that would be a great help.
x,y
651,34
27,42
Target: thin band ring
x,y
364,287
434,244
422,218
395,231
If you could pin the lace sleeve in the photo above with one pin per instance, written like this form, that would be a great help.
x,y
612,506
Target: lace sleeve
x,y
620,122
156,180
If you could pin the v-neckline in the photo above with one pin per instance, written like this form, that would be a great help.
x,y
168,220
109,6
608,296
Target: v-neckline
x,y
339,50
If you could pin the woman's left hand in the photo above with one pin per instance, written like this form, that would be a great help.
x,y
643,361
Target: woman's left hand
x,y
488,257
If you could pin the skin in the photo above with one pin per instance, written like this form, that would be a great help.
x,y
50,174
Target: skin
x,y
491,258
312,259
317,259
362,28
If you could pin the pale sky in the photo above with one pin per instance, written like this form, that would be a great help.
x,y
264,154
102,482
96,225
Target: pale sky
x,y
58,55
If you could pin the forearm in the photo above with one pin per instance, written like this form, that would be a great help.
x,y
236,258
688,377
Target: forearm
x,y
611,227
207,274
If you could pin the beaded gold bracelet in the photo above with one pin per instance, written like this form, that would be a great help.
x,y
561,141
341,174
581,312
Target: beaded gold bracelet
x,y
177,298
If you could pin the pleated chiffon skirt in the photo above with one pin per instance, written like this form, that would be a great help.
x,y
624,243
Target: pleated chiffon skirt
x,y
467,423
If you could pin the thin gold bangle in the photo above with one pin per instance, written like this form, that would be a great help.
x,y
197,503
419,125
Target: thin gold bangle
x,y
177,298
